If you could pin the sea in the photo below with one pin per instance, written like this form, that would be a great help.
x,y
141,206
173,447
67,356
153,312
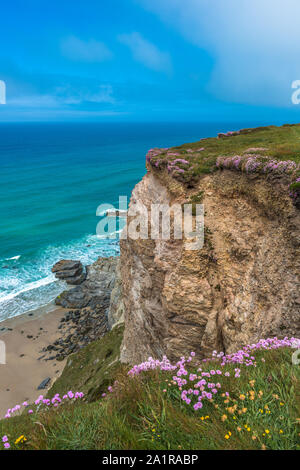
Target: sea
x,y
53,177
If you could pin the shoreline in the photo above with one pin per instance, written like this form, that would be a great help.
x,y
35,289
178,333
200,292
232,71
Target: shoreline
x,y
29,315
25,336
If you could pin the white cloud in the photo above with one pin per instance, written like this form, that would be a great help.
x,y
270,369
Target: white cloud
x,y
255,44
145,52
64,96
71,95
85,51
35,101
103,95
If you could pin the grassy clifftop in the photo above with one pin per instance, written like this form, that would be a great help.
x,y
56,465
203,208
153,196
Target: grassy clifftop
x,y
188,162
256,406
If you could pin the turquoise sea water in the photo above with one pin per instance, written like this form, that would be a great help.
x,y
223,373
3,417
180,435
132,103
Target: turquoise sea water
x,y
52,179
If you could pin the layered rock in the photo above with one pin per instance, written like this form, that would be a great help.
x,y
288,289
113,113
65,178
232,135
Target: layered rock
x,y
93,312
243,284
115,314
95,290
72,272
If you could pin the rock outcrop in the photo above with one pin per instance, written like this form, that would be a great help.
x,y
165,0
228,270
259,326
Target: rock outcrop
x,y
72,272
92,312
95,290
78,328
243,284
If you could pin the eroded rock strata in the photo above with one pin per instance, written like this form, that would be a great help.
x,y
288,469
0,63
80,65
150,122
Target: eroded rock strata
x,y
243,284
89,309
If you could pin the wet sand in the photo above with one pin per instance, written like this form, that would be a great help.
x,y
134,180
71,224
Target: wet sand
x,y
24,369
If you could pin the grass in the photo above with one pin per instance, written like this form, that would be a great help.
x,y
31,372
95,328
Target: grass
x,y
93,368
146,412
281,143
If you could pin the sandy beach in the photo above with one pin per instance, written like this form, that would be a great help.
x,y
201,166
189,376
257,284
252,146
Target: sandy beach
x,y
24,337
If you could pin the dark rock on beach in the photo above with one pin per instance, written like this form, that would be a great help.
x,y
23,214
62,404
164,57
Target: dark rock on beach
x,y
88,304
95,290
72,272
79,329
44,384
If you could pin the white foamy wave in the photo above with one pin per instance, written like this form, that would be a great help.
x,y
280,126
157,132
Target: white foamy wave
x,y
29,284
13,258
30,299
29,287
109,236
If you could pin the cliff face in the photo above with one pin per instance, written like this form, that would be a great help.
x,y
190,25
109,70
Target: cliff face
x,y
243,284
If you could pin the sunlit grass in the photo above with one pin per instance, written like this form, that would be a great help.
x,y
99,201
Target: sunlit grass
x,y
146,412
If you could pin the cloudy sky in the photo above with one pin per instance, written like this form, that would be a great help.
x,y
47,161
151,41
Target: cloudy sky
x,y
150,60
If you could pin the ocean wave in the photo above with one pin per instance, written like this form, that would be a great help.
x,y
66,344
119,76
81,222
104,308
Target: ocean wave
x,y
13,258
109,236
29,284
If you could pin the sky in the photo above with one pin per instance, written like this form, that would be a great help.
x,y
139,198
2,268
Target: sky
x,y
150,60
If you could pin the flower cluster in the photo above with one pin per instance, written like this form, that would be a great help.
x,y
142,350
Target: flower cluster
x,y
295,190
223,135
20,440
243,356
41,400
152,364
5,442
179,168
154,153
203,385
255,163
173,167
251,163
160,158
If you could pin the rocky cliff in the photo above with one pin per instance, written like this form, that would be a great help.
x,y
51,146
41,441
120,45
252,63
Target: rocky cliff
x,y
243,284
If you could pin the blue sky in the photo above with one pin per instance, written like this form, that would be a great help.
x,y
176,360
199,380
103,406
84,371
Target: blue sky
x,y
150,60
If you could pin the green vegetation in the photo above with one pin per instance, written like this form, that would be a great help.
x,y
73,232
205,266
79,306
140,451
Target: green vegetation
x,y
280,143
194,200
93,368
295,186
262,411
